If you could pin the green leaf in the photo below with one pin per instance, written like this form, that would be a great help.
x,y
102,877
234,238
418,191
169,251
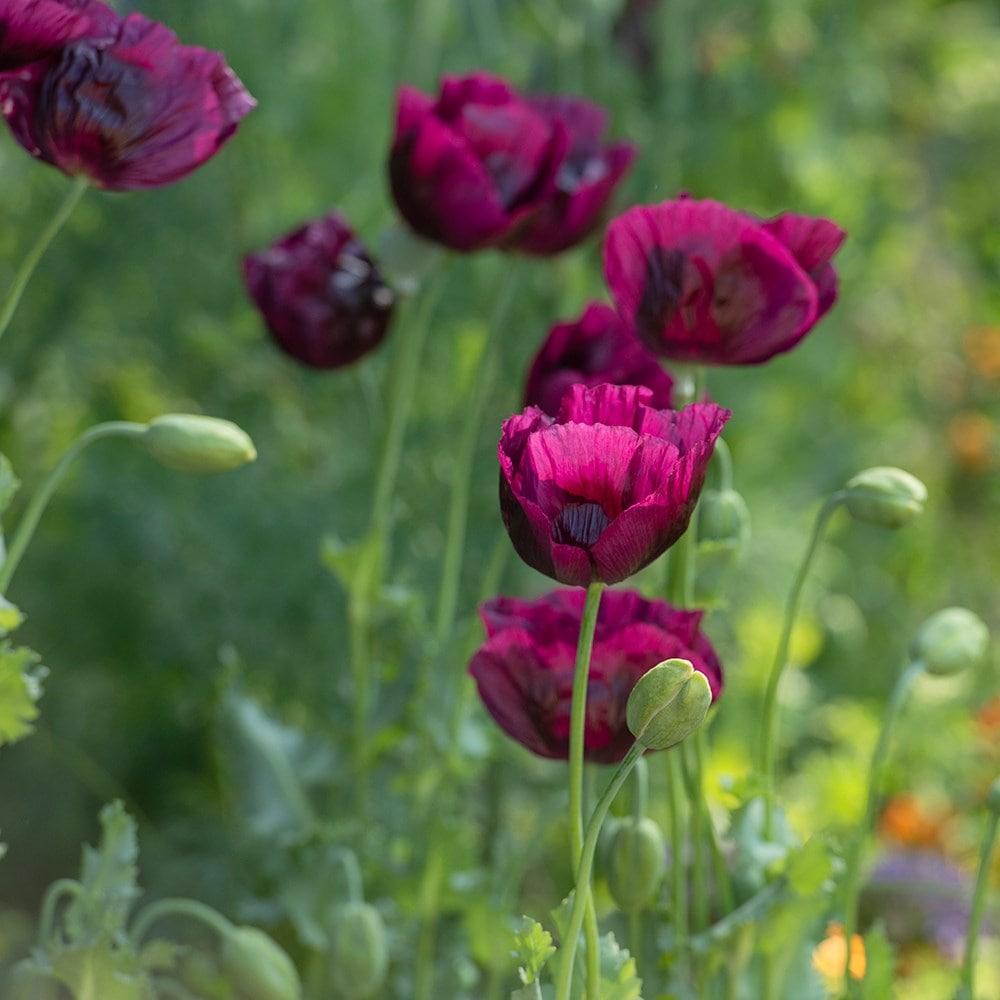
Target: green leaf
x,y
619,976
21,677
102,972
810,868
10,617
533,947
879,965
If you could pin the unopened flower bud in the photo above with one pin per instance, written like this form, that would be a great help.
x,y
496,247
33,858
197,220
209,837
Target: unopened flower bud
x,y
637,860
194,443
723,516
993,799
950,641
885,496
359,957
667,704
257,967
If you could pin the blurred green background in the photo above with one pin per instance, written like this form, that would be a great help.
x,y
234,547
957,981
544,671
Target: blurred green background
x,y
884,117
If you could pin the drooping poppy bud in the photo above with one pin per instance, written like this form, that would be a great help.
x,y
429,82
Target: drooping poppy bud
x,y
950,641
320,293
667,704
130,109
192,443
636,863
885,496
359,958
258,967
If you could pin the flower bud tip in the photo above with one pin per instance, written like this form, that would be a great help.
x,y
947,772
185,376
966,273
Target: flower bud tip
x,y
194,443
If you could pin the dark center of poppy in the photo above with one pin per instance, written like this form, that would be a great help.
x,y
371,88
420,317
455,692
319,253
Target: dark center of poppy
x,y
661,293
579,524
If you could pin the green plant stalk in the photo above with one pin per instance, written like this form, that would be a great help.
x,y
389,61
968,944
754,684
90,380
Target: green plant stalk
x,y
47,921
577,729
584,870
696,797
768,729
174,907
34,255
678,882
36,507
979,905
851,886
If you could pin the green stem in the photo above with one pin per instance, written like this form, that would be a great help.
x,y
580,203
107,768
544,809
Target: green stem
x,y
36,507
173,907
55,892
584,869
851,886
696,800
768,735
724,460
979,905
34,255
678,881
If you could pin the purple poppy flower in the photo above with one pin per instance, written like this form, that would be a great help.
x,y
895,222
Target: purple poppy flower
x,y
524,670
482,166
701,282
604,488
135,109
32,29
594,349
320,293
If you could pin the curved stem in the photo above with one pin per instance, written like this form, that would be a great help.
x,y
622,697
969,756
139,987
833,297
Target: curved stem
x,y
979,905
58,889
584,868
724,458
852,873
174,907
36,507
34,255
768,725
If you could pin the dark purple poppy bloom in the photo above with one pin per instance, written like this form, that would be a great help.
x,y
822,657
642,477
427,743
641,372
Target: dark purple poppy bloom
x,y
320,293
594,349
482,166
604,488
920,896
524,670
701,282
135,109
33,29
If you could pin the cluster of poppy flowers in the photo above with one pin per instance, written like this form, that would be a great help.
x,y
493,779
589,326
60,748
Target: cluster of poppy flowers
x,y
598,475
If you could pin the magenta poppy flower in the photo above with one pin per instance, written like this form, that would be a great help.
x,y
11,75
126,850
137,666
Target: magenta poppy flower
x,y
524,670
33,29
320,293
604,488
133,109
701,282
482,166
594,349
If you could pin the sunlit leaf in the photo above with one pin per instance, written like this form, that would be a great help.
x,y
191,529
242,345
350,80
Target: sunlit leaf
x,y
21,677
533,947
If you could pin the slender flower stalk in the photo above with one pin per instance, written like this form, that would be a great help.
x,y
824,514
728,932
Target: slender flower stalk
x,y
768,736
34,255
32,515
979,895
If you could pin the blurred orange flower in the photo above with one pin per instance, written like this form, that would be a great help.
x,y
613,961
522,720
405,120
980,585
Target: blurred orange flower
x,y
982,348
906,822
972,435
829,957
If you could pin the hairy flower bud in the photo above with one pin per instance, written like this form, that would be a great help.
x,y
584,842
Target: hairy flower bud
x,y
950,641
637,860
359,957
667,704
257,967
885,496
194,443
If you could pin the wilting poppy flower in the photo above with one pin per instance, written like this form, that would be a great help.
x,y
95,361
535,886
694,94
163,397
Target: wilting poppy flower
x,y
701,282
135,109
594,349
320,293
483,166
524,670
604,488
32,29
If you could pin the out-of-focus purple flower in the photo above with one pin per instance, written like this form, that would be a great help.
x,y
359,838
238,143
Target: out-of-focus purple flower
x,y
133,109
604,488
320,293
594,349
482,166
33,29
701,282
920,896
524,670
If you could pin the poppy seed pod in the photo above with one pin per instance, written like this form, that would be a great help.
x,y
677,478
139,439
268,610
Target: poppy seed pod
x,y
885,496
192,443
667,704
359,957
950,641
636,863
258,967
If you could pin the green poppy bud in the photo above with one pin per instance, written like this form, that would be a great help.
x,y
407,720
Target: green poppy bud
x,y
257,967
637,860
359,957
723,516
885,496
950,641
667,704
193,443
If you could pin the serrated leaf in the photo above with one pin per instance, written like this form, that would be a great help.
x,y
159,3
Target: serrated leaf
x,y
810,867
9,483
98,971
21,678
533,947
619,976
10,617
879,965
108,878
